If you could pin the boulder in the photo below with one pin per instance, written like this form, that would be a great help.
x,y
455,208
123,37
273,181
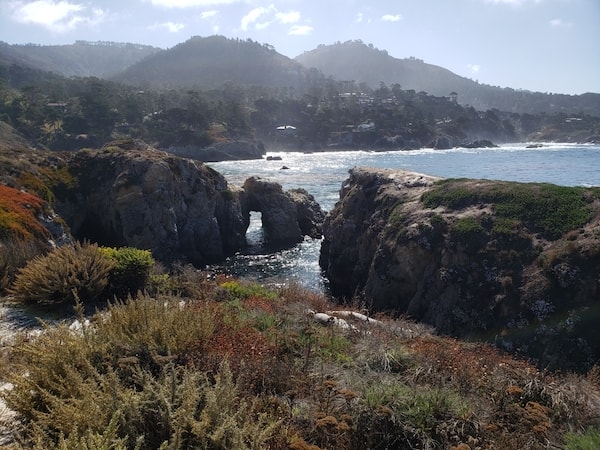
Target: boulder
x,y
480,143
474,258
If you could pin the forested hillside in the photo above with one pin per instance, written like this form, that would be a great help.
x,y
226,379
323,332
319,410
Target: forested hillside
x,y
81,59
211,62
359,62
211,91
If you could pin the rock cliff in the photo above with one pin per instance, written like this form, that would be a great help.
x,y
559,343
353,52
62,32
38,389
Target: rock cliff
x,y
145,198
516,263
180,209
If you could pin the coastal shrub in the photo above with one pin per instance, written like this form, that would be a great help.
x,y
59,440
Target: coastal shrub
x,y
178,372
467,230
155,328
19,213
34,184
126,376
89,440
131,270
590,440
58,179
545,208
73,396
450,193
238,290
227,194
14,254
550,209
78,271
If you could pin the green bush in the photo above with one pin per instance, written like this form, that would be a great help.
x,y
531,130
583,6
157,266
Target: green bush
x,y
241,291
78,271
590,440
450,193
131,270
467,230
545,208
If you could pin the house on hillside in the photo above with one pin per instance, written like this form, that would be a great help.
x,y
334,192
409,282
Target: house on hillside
x,y
286,130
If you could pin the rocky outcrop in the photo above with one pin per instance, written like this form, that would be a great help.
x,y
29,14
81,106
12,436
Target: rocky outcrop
x,y
140,197
442,143
286,216
222,151
513,262
130,194
479,143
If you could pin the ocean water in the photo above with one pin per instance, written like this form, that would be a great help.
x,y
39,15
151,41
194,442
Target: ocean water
x,y
323,173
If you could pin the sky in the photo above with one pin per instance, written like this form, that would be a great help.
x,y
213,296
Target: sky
x,y
537,45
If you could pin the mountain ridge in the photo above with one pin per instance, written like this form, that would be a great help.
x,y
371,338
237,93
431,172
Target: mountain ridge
x,y
215,61
82,58
339,60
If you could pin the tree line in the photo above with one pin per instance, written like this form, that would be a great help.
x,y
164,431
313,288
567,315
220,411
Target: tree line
x,y
71,113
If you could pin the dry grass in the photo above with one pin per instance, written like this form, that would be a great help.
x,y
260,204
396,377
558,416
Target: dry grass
x,y
234,365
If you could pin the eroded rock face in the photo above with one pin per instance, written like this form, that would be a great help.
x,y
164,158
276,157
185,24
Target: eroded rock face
x,y
140,197
286,216
467,257
130,194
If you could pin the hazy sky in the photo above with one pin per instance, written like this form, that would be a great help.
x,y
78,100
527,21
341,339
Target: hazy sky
x,y
539,45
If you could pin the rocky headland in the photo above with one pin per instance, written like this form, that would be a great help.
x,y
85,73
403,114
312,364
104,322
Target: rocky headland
x,y
130,194
510,262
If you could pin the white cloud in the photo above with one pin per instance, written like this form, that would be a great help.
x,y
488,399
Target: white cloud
x,y
559,23
172,27
208,14
392,17
57,16
474,68
262,17
262,25
190,3
300,30
288,17
361,18
253,16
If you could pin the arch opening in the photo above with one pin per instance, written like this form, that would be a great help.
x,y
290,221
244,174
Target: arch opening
x,y
255,233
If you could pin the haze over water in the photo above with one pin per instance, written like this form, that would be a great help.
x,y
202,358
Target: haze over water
x,y
323,173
